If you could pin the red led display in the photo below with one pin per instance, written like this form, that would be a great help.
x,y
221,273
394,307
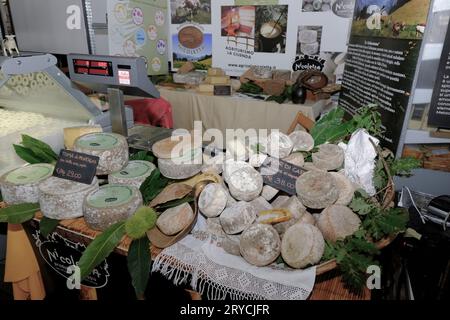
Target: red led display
x,y
93,67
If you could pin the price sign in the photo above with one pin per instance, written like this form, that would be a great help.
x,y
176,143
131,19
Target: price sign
x,y
76,166
280,174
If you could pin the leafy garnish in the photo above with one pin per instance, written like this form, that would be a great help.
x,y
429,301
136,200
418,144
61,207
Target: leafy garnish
x,y
143,155
35,151
139,264
18,213
153,185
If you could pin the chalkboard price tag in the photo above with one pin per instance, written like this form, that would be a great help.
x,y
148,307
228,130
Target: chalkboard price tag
x,y
76,166
280,174
222,90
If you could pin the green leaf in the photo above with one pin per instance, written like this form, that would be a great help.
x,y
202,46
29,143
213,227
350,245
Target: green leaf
x,y
139,263
47,226
152,186
321,130
100,248
18,213
39,148
143,156
404,166
138,224
26,154
361,206
175,203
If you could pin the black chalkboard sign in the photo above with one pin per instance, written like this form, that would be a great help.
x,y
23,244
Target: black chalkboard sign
x,y
76,166
439,115
222,90
280,174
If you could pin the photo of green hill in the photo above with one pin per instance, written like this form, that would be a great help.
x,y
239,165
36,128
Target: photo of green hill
x,y
406,21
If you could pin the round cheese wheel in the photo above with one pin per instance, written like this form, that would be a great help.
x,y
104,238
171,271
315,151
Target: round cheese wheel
x,y
173,220
110,204
260,245
302,140
302,245
230,243
345,188
111,148
212,200
21,185
237,217
316,189
230,166
337,222
174,146
183,167
213,163
245,184
133,174
279,145
63,199
296,159
329,157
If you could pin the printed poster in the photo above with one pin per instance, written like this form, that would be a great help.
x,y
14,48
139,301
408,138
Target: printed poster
x,y
190,33
140,28
383,53
254,34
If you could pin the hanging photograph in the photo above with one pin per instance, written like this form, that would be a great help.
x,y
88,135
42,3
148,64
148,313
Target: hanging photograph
x,y
309,39
198,11
316,5
238,21
403,19
271,28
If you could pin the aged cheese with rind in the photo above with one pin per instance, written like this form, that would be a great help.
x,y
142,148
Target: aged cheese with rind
x,y
260,245
183,167
269,192
302,141
237,217
337,222
110,204
296,159
230,166
329,157
21,185
245,184
111,148
261,204
133,174
213,200
345,188
73,133
316,189
173,220
63,199
302,245
279,145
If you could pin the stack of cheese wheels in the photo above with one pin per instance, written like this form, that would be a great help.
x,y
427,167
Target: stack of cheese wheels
x,y
337,222
260,244
21,185
245,184
133,174
110,204
63,199
329,157
317,189
302,245
178,157
111,148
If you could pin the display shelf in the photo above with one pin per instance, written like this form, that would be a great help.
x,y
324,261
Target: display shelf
x,y
422,137
426,181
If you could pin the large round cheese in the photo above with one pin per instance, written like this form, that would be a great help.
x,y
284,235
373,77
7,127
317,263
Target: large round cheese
x,y
230,166
212,200
245,184
183,167
111,148
280,145
316,189
237,217
337,222
260,244
302,141
302,245
329,157
21,185
133,174
73,133
110,204
63,199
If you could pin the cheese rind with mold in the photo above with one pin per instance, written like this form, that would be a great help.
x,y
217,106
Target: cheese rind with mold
x,y
260,245
213,200
110,204
111,148
173,220
21,185
63,199
133,174
237,217
245,184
